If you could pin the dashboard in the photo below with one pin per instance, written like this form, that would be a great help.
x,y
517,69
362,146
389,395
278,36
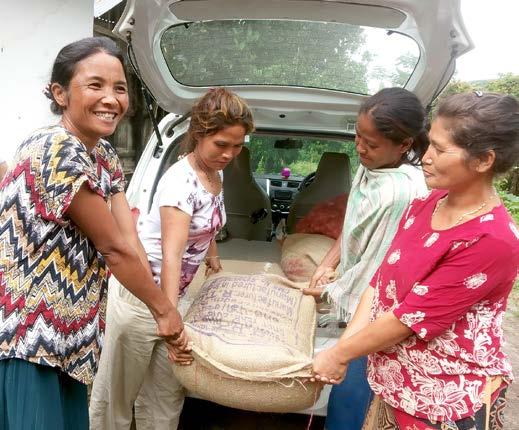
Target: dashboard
x,y
280,190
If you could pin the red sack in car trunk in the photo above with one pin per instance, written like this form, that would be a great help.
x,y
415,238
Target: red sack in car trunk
x,y
325,218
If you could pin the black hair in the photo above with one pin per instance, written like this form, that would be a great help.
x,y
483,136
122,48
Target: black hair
x,y
479,122
398,115
69,56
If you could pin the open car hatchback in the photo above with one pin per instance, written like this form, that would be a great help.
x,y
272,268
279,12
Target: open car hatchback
x,y
304,67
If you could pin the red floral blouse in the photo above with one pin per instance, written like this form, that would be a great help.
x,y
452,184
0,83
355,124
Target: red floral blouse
x,y
451,288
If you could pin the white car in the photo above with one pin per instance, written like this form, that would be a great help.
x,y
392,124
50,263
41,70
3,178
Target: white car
x,y
304,67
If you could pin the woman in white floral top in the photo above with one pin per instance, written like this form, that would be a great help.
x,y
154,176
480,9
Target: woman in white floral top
x,y
178,233
431,323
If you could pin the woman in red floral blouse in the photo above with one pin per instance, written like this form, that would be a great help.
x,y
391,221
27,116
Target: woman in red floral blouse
x,y
431,323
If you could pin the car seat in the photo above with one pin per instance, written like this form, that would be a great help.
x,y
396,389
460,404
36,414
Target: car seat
x,y
247,205
332,177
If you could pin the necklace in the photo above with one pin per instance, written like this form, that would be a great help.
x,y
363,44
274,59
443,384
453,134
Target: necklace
x,y
466,214
215,180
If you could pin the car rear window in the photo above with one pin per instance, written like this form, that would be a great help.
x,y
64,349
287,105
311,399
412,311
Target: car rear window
x,y
269,154
335,56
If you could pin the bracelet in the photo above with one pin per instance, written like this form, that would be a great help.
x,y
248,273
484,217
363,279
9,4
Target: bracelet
x,y
207,259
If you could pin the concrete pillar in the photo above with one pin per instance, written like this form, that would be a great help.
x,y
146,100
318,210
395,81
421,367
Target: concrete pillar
x,y
31,34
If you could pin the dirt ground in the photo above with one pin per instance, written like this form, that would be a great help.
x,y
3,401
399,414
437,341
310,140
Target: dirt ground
x,y
512,348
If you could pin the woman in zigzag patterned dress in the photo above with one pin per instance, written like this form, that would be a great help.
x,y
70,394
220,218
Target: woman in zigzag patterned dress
x,y
63,219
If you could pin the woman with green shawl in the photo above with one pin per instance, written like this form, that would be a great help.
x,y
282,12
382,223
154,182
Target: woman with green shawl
x,y
391,137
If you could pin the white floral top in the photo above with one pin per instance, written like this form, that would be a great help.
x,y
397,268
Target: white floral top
x,y
180,187
451,288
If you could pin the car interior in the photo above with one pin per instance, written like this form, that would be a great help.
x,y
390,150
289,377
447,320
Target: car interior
x,y
257,198
332,177
304,67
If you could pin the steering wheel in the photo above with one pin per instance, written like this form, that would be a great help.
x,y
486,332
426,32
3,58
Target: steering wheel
x,y
307,180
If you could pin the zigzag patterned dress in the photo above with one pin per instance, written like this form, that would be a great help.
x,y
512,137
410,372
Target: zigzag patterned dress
x,y
52,279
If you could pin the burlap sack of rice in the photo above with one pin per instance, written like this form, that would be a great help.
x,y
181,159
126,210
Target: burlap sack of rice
x,y
237,267
252,339
301,253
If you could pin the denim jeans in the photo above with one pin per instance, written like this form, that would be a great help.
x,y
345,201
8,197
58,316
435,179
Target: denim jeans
x,y
349,401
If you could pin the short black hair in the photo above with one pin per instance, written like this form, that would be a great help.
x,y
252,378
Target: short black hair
x,y
398,115
69,56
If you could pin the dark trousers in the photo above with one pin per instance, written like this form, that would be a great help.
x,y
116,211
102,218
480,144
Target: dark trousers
x,y
349,401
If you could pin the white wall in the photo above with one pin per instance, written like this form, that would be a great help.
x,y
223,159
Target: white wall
x,y
31,34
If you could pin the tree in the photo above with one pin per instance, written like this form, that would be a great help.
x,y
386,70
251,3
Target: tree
x,y
398,77
404,67
506,83
454,86
267,158
267,52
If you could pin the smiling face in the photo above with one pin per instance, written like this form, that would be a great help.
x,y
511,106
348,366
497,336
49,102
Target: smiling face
x,y
375,150
219,149
96,98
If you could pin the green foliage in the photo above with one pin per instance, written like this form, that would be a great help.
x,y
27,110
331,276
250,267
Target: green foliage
x,y
282,52
453,87
277,52
306,53
510,201
398,77
456,87
303,167
505,84
266,159
405,66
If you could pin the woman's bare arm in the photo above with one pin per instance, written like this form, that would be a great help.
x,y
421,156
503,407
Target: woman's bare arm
x,y
92,215
360,338
123,217
174,225
330,261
